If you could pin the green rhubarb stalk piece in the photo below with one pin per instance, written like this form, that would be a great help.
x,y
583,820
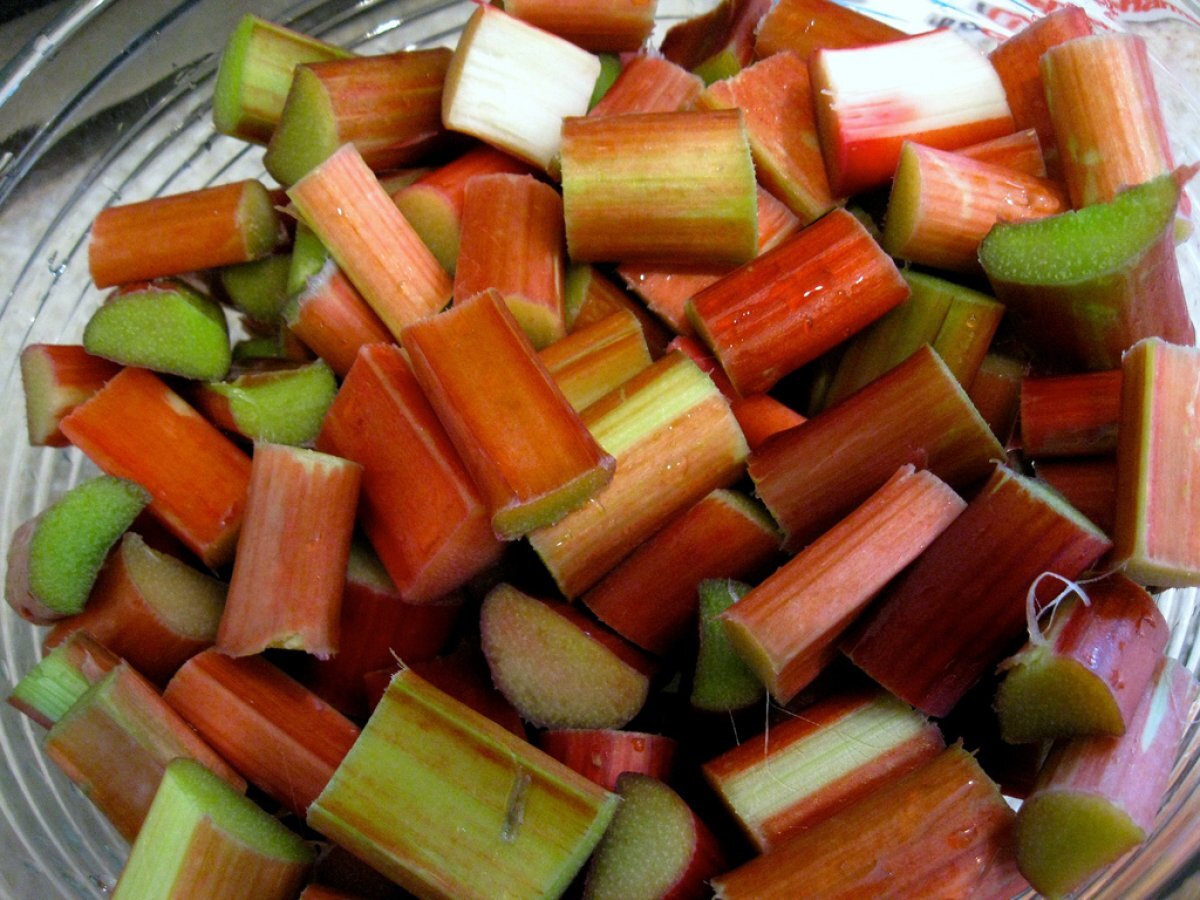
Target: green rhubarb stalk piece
x,y
309,257
610,68
1084,286
61,677
165,326
55,557
558,668
723,681
258,288
655,846
447,803
281,406
202,838
255,74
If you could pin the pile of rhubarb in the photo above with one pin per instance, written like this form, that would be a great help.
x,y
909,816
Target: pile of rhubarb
x,y
743,465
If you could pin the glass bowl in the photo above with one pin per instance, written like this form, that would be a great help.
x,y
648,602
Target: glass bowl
x,y
111,103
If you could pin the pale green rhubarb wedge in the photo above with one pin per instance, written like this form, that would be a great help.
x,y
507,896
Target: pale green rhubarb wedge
x,y
447,803
55,557
258,288
281,405
201,838
723,681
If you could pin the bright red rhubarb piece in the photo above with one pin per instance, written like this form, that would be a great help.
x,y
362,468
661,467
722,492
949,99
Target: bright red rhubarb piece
x,y
805,26
650,598
921,640
718,43
1070,415
56,378
182,233
1020,151
138,428
996,392
934,88
527,449
1086,673
1088,483
808,766
793,303
1097,798
292,552
942,829
343,202
603,754
1156,534
333,320
281,736
813,475
787,628
649,84
418,506
590,296
612,26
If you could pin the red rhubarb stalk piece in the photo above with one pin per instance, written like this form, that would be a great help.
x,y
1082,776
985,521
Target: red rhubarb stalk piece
x,y
615,26
921,640
1020,151
593,359
281,736
527,449
813,475
1086,673
995,392
56,378
292,552
650,598
805,26
717,43
138,428
1088,483
1070,415
418,506
603,754
181,233
591,295
836,279
333,320
649,84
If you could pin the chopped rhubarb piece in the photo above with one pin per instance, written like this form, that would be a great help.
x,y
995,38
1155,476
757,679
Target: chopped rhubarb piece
x,y
776,99
512,84
138,428
805,26
115,742
165,326
332,318
512,241
292,553
723,681
255,74
927,646
381,254
1070,415
617,170
667,289
531,455
939,90
1098,797
604,754
1107,119
1084,286
759,415
389,106
590,296
996,392
945,823
465,676
283,406
1020,151
246,852
592,360
377,627
433,203
172,235
942,205
56,378
793,303
813,475
447,803
61,677
149,608
1016,61
419,508
650,598
559,669
614,26
787,628
258,289
1156,533
674,440
718,43
280,735
649,84
55,557
1088,484
819,761
655,846
1086,674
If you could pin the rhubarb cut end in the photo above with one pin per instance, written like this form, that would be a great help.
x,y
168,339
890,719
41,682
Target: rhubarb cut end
x,y
1044,698
512,522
